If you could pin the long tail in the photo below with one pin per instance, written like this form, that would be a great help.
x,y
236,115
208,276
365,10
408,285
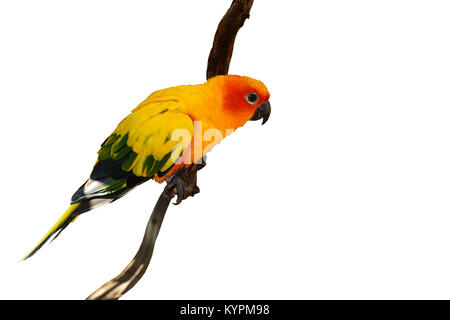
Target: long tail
x,y
63,222
108,182
70,215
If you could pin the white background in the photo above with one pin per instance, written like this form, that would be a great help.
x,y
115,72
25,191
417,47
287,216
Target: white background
x,y
343,194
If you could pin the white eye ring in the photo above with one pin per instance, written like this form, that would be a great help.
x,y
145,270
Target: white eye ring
x,y
252,98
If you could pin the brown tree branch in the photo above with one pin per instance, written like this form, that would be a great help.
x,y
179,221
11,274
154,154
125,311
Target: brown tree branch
x,y
222,49
133,272
218,63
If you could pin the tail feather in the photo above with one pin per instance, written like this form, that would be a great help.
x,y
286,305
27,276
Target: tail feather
x,y
108,182
63,222
69,216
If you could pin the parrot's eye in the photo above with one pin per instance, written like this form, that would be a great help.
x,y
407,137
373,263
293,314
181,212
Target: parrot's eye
x,y
252,98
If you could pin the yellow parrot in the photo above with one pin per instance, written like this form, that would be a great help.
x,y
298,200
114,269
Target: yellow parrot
x,y
159,137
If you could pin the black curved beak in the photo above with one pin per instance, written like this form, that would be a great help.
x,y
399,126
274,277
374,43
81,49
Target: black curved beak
x,y
263,112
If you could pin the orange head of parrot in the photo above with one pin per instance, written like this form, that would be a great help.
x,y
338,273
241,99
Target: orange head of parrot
x,y
243,99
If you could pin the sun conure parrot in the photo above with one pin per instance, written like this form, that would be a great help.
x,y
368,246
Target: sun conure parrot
x,y
146,144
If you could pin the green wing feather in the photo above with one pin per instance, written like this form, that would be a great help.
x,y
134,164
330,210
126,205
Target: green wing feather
x,y
144,142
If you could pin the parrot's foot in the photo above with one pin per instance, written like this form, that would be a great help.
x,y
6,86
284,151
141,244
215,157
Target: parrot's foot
x,y
183,184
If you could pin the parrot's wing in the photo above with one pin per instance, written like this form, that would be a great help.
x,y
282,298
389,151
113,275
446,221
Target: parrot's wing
x,y
146,143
